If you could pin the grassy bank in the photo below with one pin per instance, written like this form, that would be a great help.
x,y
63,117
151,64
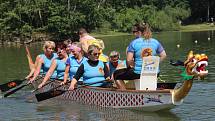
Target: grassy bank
x,y
186,28
198,27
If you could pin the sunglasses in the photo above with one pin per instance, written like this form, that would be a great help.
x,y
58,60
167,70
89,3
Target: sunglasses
x,y
96,54
114,56
114,61
73,51
59,52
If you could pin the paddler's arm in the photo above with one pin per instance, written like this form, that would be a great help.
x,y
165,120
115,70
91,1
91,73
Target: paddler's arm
x,y
37,71
73,83
77,76
162,55
66,74
79,72
130,60
161,52
106,71
49,73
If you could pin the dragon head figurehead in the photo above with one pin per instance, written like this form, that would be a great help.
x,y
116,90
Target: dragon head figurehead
x,y
195,65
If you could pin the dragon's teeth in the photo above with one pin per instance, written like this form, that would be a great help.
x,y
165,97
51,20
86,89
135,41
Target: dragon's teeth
x,y
203,71
202,62
199,64
206,63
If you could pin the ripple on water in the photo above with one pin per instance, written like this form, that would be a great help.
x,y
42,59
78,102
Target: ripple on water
x,y
67,110
199,104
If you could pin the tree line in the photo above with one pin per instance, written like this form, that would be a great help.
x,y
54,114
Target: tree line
x,y
62,18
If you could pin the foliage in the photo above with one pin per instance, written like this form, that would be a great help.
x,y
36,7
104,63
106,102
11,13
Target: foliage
x,y
126,18
63,18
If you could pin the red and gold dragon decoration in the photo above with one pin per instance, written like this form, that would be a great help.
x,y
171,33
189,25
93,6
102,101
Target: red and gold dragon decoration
x,y
194,66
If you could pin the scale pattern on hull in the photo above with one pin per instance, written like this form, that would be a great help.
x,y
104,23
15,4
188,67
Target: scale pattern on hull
x,y
116,99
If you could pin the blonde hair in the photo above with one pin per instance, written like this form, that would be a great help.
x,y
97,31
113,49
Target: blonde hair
x,y
147,34
48,44
99,43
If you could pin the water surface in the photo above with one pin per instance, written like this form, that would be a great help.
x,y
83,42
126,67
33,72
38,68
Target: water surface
x,y
198,105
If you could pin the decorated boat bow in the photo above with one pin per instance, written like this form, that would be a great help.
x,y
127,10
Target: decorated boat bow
x,y
193,67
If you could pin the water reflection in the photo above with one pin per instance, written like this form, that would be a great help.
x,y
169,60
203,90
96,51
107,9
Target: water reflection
x,y
198,105
75,111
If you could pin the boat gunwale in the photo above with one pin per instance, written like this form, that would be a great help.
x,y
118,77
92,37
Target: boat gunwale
x,y
132,91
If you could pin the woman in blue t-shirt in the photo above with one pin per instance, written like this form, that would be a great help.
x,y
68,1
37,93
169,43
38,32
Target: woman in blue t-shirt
x,y
43,61
93,71
138,48
73,62
114,62
58,65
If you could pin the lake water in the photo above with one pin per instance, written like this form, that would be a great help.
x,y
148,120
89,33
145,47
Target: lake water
x,y
197,106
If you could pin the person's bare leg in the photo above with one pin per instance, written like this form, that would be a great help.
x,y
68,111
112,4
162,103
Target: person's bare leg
x,y
30,61
120,84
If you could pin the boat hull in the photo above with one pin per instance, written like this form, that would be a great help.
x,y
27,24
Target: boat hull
x,y
128,99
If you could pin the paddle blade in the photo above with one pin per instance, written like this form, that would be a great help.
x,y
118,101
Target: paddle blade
x,y
49,94
9,85
15,90
177,63
166,85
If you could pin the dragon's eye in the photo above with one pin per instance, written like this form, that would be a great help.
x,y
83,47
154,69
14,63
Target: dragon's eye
x,y
194,60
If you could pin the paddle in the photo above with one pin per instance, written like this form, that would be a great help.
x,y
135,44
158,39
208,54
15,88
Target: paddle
x,y
54,92
50,93
177,63
46,84
15,90
170,85
41,87
9,85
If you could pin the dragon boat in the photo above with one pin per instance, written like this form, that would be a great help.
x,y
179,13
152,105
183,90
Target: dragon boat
x,y
146,100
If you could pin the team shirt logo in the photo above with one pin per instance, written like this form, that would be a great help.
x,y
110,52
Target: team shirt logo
x,y
146,52
101,70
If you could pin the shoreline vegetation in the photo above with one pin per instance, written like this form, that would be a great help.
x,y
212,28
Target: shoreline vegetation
x,y
28,21
38,37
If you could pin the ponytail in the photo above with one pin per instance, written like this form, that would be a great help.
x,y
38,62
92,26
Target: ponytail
x,y
147,34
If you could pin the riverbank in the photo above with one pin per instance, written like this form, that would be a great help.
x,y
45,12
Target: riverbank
x,y
198,27
44,36
186,28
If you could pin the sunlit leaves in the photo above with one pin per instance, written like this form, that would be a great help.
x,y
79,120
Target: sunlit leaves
x,y
64,17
